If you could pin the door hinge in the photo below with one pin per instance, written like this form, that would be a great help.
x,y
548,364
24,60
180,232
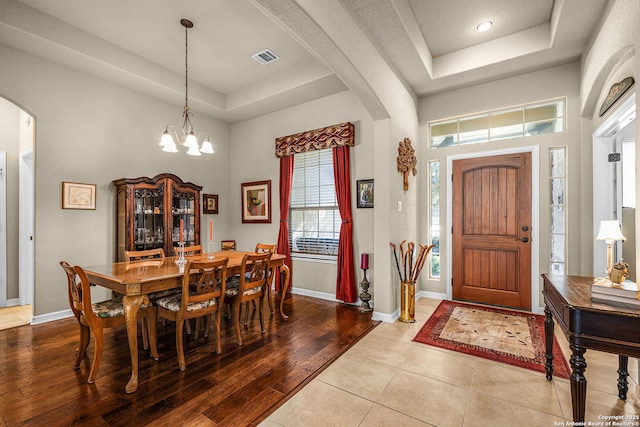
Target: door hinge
x,y
614,157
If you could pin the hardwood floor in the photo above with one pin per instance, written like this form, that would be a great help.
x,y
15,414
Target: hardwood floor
x,y
241,386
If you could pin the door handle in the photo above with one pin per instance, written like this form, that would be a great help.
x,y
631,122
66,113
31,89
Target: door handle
x,y
524,239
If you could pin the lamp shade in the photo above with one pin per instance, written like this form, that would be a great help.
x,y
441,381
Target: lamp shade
x,y
610,230
166,139
206,147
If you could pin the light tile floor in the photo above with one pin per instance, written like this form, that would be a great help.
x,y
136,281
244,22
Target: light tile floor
x,y
11,317
388,380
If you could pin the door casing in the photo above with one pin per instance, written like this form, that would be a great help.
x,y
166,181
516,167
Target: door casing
x,y
3,229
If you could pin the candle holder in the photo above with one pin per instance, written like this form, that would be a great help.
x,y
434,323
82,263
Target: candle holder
x,y
210,250
365,296
181,260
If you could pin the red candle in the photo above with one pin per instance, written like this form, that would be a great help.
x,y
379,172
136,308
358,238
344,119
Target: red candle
x,y
364,261
181,231
210,230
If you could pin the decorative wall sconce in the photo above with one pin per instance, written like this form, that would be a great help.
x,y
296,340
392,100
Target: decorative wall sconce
x,y
406,161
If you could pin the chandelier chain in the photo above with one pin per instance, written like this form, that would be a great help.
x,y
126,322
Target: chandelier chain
x,y
186,126
186,66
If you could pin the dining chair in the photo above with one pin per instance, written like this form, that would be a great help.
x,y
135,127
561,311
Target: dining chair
x,y
188,250
228,245
94,318
255,273
191,250
262,248
203,293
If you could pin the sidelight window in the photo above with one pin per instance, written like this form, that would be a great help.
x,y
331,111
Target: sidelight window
x,y
434,217
558,192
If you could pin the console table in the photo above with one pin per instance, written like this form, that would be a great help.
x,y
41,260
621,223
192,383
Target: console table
x,y
588,324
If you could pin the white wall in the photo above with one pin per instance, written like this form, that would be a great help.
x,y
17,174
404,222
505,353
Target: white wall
x,y
253,154
92,131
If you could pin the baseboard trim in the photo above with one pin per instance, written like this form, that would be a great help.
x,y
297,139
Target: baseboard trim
x,y
314,294
50,317
433,295
13,302
383,317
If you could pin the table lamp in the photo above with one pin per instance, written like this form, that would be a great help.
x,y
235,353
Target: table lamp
x,y
610,232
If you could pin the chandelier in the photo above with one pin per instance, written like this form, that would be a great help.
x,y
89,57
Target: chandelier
x,y
188,139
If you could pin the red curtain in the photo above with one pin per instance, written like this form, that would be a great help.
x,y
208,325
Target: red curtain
x,y
286,173
345,281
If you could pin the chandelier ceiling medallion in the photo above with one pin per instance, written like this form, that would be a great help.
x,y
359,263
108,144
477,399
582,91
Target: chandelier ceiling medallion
x,y
188,139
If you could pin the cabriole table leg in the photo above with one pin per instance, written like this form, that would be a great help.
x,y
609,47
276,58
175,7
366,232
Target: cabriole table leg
x,y
284,270
131,305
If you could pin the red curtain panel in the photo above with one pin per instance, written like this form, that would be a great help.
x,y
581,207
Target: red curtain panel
x,y
345,281
286,173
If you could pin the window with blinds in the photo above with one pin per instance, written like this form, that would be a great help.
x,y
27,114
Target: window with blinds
x,y
314,218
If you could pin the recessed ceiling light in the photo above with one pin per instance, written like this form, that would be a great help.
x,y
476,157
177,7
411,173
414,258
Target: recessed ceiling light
x,y
484,26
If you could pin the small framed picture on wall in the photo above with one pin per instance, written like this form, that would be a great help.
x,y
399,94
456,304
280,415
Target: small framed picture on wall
x,y
78,196
256,202
365,193
209,203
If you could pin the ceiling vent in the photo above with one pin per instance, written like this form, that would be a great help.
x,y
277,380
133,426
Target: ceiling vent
x,y
265,57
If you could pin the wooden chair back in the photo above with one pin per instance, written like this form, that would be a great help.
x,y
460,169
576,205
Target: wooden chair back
x,y
77,291
228,245
263,247
208,279
266,248
255,273
188,250
134,256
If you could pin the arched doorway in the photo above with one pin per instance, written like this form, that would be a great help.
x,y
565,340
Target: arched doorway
x,y
17,214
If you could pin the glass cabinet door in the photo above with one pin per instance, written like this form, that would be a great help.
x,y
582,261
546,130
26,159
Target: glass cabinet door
x,y
183,210
148,218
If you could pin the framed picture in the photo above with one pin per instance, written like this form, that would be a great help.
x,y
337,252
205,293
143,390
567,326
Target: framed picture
x,y
209,203
78,196
256,202
365,193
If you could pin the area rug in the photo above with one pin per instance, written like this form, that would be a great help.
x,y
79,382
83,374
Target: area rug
x,y
511,337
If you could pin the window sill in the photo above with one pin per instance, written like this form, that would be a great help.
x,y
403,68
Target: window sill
x,y
323,259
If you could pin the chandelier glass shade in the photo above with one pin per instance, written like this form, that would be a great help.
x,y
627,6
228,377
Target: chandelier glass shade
x,y
188,138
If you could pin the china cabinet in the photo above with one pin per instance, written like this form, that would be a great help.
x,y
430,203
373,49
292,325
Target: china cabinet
x,y
156,212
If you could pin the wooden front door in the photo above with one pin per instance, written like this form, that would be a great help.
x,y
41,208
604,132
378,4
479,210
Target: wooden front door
x,y
492,230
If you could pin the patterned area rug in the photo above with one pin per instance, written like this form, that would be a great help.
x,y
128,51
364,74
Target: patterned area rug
x,y
511,337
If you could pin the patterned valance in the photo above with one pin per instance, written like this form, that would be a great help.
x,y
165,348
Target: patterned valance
x,y
317,139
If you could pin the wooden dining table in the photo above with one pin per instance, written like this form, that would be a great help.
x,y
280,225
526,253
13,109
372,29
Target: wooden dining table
x,y
135,281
